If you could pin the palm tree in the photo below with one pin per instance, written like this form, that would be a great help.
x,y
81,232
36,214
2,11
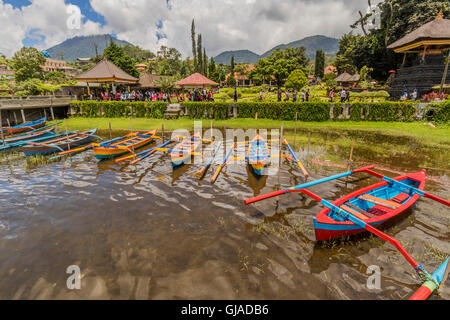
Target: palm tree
x,y
166,84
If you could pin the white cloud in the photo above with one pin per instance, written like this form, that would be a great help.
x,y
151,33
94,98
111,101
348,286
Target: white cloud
x,y
224,24
227,24
44,19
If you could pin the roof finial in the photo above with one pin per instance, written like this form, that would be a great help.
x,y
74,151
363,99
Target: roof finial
x,y
440,14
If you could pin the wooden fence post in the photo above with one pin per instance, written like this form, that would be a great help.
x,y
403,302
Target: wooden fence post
x,y
23,115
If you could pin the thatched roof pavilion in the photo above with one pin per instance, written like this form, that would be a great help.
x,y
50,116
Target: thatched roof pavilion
x,y
148,80
196,80
431,38
106,72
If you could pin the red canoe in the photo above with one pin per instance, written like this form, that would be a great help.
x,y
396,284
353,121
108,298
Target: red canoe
x,y
374,205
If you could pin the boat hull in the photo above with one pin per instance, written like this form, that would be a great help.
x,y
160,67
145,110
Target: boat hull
x,y
24,128
327,228
41,150
190,145
104,153
258,155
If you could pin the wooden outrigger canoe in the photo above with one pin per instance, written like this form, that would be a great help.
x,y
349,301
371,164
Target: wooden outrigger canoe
x,y
59,144
127,144
383,201
258,155
182,153
27,126
374,205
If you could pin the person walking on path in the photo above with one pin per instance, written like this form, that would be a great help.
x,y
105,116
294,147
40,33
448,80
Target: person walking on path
x,y
303,95
294,96
235,95
287,96
307,95
279,95
261,95
331,95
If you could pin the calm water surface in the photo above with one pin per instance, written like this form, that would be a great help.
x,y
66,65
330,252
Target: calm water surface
x,y
149,232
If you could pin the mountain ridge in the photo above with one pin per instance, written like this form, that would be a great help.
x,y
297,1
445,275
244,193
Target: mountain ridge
x,y
83,47
313,43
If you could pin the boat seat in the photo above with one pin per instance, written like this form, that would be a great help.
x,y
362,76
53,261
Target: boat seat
x,y
379,210
401,198
354,212
378,201
359,210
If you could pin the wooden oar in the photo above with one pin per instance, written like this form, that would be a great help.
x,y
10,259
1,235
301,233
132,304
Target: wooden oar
x,y
202,172
223,164
301,166
405,186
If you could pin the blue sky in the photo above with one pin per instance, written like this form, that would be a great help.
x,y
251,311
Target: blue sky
x,y
34,38
84,5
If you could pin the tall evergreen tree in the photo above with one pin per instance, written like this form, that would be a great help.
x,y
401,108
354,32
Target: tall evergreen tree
x,y
199,54
232,65
205,63
320,64
194,46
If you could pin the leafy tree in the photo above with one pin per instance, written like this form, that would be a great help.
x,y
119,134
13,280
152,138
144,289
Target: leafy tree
x,y
280,64
56,77
168,62
231,81
320,64
117,55
137,54
27,64
364,73
35,87
296,80
213,73
330,80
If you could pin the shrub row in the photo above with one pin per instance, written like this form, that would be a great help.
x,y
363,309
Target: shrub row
x,y
443,113
118,109
307,111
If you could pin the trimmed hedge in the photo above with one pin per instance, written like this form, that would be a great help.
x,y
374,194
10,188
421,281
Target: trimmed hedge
x,y
207,110
119,109
443,113
307,111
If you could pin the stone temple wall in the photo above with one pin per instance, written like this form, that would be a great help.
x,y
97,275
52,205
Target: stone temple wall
x,y
422,76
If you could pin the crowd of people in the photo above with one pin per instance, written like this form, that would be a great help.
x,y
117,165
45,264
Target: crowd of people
x,y
305,95
202,95
149,96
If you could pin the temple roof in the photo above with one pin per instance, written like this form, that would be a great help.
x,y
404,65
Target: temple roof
x,y
106,71
436,32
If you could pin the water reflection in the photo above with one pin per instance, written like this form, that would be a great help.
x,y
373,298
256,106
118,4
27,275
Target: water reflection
x,y
150,232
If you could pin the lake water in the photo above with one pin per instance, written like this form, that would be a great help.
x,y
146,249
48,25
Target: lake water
x,y
150,232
